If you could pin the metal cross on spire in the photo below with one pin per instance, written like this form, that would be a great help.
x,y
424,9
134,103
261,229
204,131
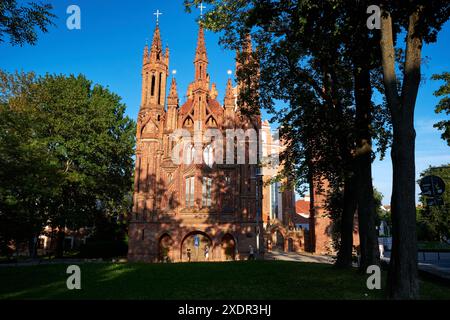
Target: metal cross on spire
x,y
201,7
157,14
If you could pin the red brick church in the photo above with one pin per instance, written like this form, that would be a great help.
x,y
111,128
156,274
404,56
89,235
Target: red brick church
x,y
207,209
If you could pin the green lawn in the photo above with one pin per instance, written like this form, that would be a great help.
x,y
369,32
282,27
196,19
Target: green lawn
x,y
234,280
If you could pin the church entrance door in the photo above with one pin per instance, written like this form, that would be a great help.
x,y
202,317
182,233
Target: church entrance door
x,y
279,241
196,246
290,245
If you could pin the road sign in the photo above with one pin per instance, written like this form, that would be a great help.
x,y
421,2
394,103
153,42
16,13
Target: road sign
x,y
438,201
432,186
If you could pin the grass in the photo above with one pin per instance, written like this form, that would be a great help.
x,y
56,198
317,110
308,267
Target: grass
x,y
233,280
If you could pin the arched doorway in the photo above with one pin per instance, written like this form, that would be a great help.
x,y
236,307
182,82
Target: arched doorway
x,y
228,245
290,245
165,248
278,241
195,245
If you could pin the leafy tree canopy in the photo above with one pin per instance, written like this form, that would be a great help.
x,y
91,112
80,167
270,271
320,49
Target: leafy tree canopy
x,y
19,22
66,151
444,104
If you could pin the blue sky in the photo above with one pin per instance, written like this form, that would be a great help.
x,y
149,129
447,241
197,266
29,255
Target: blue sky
x,y
108,50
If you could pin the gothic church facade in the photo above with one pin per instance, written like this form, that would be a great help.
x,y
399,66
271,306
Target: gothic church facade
x,y
195,211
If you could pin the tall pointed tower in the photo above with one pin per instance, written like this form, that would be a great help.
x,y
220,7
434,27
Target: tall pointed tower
x,y
229,105
172,107
200,86
154,75
150,127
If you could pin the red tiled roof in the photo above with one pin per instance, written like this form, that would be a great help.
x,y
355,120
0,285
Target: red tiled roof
x,y
186,106
302,207
302,212
215,107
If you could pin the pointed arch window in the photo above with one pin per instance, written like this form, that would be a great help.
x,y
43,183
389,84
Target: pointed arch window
x,y
189,193
159,88
190,155
153,85
208,155
274,191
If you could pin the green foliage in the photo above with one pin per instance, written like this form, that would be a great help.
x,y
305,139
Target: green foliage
x,y
29,172
66,152
304,58
434,222
334,206
444,104
319,58
19,22
381,214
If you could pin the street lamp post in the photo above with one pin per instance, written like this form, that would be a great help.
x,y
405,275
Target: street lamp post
x,y
258,178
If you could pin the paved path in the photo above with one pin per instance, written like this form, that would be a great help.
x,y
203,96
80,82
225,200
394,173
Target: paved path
x,y
437,264
298,257
47,262
437,268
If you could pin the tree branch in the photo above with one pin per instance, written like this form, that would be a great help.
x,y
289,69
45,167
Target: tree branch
x,y
388,63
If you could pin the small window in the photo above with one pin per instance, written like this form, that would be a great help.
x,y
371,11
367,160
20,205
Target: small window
x,y
207,186
274,190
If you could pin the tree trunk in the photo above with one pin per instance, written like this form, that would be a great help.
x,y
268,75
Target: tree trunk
x,y
60,236
345,254
370,254
402,277
32,247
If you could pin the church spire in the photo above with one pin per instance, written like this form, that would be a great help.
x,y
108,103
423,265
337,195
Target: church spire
x,y
229,95
229,104
200,53
201,57
172,99
156,43
172,106
145,55
154,74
